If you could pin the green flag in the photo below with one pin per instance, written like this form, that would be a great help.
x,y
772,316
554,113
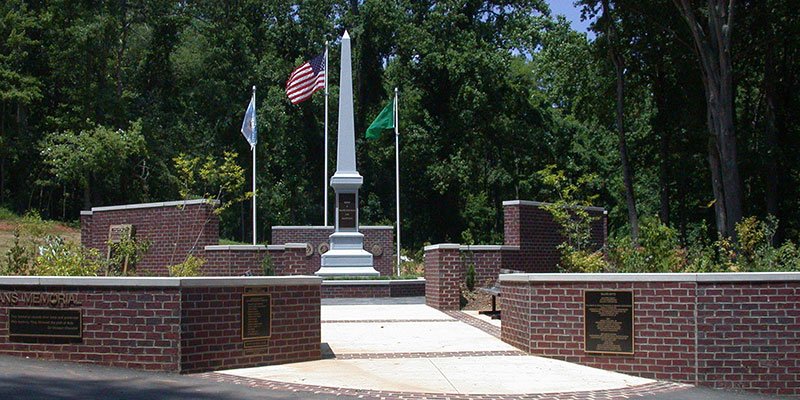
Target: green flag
x,y
385,120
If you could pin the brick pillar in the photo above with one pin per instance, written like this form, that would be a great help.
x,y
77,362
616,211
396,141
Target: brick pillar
x,y
511,224
86,229
443,276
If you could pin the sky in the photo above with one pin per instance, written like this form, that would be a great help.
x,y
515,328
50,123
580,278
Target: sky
x,y
573,14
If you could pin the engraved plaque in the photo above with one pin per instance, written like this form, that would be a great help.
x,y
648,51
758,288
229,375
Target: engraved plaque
x,y
118,232
44,322
256,315
347,210
608,321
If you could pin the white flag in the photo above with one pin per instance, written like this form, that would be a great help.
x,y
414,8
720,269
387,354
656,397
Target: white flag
x,y
249,129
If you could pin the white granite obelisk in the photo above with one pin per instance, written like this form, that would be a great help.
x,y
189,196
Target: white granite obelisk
x,y
347,256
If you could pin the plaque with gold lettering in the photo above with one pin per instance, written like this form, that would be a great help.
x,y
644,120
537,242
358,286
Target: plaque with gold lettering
x,y
44,322
347,210
256,315
608,321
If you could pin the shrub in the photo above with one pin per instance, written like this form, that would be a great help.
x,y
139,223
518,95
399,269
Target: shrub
x,y
125,254
470,277
188,268
266,266
60,258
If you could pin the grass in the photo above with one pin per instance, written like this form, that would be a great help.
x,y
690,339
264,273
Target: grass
x,y
9,221
228,242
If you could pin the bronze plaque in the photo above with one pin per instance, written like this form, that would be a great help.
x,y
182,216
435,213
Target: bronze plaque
x,y
44,322
256,316
347,210
608,321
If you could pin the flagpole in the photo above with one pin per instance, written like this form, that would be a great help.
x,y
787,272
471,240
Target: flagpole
x,y
325,178
397,172
254,174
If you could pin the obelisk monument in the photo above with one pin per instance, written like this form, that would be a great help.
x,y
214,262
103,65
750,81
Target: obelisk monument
x,y
347,256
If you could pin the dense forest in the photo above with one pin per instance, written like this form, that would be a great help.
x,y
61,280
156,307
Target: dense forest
x,y
681,109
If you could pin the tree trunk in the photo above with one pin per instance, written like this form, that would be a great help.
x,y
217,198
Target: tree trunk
x,y
663,178
627,173
772,168
716,186
713,48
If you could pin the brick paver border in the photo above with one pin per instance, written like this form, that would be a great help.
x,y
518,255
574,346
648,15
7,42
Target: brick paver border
x,y
611,394
475,322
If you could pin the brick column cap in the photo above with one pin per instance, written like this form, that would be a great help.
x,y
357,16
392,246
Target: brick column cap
x,y
443,246
539,204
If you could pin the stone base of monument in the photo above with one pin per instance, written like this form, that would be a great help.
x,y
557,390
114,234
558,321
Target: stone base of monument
x,y
347,257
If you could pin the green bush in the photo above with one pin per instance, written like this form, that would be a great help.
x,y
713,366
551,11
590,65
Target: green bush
x,y
469,278
60,258
266,265
188,268
127,250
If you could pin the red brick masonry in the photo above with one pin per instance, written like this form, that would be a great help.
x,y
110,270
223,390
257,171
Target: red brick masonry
x,y
167,324
735,331
531,240
176,229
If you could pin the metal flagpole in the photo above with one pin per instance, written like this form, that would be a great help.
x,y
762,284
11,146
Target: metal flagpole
x,y
254,171
397,172
325,179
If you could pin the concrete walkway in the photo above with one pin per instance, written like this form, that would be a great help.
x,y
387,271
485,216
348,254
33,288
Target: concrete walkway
x,y
412,348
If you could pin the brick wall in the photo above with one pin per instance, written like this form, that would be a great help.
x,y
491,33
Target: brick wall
x,y
531,240
382,236
174,229
687,328
240,260
211,328
538,236
368,289
167,324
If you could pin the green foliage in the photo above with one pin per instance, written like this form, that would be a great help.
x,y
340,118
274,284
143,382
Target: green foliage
x,y
17,258
569,208
211,178
191,266
266,265
412,263
469,277
80,157
125,254
60,258
659,250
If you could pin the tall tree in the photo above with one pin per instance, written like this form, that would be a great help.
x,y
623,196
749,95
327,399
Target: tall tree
x,y
712,41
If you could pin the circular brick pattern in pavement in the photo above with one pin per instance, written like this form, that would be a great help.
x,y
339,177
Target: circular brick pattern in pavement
x,y
610,394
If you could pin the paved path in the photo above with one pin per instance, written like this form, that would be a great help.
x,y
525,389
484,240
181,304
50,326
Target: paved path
x,y
392,350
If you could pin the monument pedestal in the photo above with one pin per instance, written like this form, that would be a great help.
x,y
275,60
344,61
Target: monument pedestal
x,y
347,257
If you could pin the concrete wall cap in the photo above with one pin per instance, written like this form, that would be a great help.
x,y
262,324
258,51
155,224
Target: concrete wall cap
x,y
159,282
321,227
156,205
84,212
295,245
539,204
373,282
443,246
487,247
235,247
656,277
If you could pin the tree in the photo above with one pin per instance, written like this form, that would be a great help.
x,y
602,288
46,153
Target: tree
x,y
713,47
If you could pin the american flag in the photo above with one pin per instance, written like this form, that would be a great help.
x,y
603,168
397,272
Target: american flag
x,y
306,79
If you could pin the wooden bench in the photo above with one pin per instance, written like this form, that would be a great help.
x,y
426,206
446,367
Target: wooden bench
x,y
494,291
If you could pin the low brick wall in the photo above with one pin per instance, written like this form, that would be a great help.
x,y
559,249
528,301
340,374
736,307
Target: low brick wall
x,y
378,240
734,331
531,240
165,324
370,289
238,260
